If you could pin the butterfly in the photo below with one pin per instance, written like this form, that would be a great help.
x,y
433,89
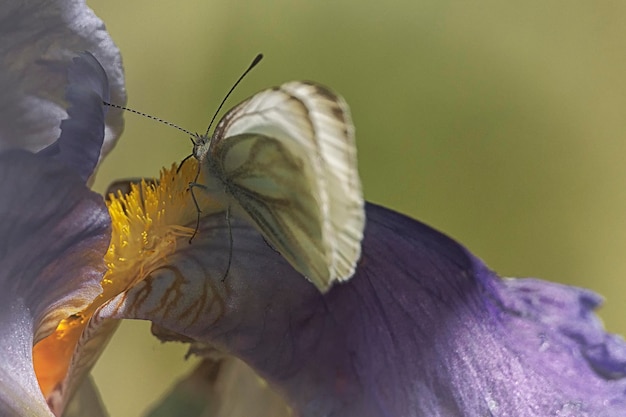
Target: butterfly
x,y
286,159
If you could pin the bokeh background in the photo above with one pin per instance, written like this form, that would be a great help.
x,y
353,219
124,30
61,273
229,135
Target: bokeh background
x,y
500,123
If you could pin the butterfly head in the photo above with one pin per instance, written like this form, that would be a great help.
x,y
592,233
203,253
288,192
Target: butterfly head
x,y
201,145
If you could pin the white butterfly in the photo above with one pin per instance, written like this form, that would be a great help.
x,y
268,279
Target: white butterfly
x,y
287,157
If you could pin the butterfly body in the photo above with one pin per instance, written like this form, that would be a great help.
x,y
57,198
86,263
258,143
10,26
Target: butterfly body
x,y
212,183
286,157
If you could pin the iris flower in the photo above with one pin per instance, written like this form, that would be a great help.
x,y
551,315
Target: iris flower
x,y
423,328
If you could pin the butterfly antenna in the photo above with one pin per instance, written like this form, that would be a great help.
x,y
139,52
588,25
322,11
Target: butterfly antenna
x,y
158,119
255,61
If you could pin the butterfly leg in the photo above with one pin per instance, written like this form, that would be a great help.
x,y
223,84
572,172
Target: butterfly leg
x,y
182,162
193,185
230,246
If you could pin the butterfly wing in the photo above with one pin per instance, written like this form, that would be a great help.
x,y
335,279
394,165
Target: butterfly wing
x,y
287,156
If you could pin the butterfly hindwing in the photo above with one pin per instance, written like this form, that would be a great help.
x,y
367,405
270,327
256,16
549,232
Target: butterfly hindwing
x,y
264,185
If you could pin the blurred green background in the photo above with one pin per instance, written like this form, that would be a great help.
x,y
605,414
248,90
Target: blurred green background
x,y
500,124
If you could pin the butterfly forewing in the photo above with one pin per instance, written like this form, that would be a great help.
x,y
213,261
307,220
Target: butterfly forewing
x,y
334,132
287,157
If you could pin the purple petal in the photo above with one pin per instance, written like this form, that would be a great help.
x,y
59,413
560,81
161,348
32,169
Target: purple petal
x,y
82,134
54,236
39,40
422,329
